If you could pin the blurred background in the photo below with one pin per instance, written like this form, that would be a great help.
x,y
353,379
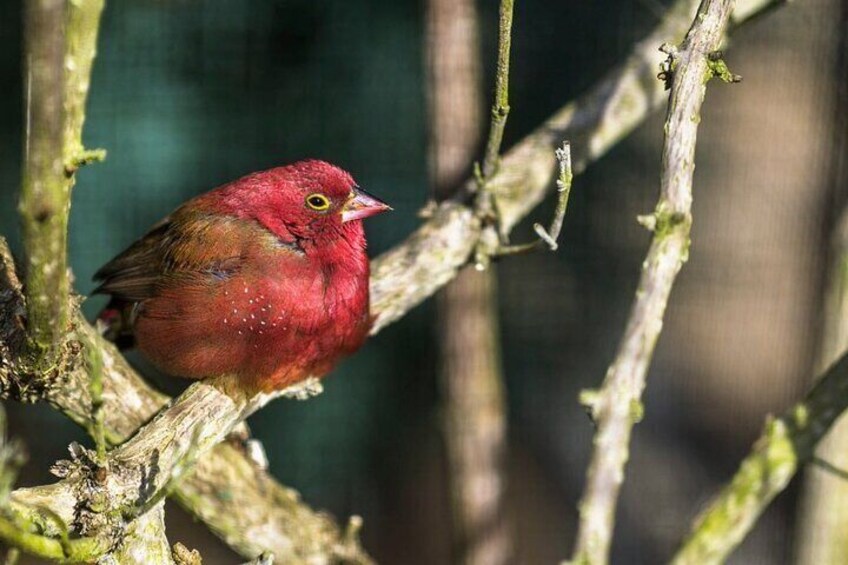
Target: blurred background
x,y
187,95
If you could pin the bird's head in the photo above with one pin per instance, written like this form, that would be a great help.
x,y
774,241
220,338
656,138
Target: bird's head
x,y
311,200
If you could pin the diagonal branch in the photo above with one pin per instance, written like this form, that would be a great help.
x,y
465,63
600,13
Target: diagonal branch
x,y
617,406
785,445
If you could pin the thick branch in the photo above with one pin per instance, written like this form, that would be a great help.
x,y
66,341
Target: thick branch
x,y
618,404
44,193
786,443
402,278
144,541
61,39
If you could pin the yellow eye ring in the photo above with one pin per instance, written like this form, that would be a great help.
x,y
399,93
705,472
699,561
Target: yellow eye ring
x,y
317,202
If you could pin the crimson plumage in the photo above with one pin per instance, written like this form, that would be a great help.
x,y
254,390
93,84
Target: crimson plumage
x,y
264,278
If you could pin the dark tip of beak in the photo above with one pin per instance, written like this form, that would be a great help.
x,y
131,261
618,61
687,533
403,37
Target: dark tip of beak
x,y
362,205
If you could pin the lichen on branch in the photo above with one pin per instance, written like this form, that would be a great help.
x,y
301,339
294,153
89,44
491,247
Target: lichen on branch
x,y
785,445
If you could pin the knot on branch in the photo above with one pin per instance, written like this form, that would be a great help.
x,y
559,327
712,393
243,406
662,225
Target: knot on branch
x,y
21,376
185,556
669,65
663,221
304,390
82,158
349,548
94,513
28,372
716,67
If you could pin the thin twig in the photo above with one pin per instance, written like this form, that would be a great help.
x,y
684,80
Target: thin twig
x,y
549,236
617,406
829,467
500,106
822,522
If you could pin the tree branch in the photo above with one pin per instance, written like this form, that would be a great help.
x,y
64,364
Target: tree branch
x,y
500,105
470,377
239,500
60,44
617,407
44,193
785,444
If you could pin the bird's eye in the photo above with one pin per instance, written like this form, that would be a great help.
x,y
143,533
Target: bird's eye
x,y
318,202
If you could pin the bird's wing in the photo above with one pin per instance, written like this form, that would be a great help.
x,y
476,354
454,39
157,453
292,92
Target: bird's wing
x,y
187,244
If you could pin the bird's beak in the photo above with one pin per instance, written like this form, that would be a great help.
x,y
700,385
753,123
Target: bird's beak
x,y
362,205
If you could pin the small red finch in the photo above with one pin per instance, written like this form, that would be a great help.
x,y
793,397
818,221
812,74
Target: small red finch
x,y
264,279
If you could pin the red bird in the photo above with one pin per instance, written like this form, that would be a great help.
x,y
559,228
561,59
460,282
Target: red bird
x,y
264,278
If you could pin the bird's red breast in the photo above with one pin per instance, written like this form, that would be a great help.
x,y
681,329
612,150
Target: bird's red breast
x,y
265,278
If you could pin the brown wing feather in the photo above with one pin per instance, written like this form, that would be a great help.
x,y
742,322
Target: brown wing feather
x,y
188,243
132,275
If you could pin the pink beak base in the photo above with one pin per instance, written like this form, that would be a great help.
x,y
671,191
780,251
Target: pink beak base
x,y
362,205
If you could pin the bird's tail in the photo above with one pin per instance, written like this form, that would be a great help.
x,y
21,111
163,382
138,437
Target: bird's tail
x,y
115,323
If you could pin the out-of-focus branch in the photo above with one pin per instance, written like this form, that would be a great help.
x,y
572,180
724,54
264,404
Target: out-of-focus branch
x,y
473,406
60,44
822,530
786,443
617,406
401,278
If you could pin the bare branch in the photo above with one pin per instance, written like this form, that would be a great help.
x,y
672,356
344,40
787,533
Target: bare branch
x,y
470,376
61,39
618,404
500,106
